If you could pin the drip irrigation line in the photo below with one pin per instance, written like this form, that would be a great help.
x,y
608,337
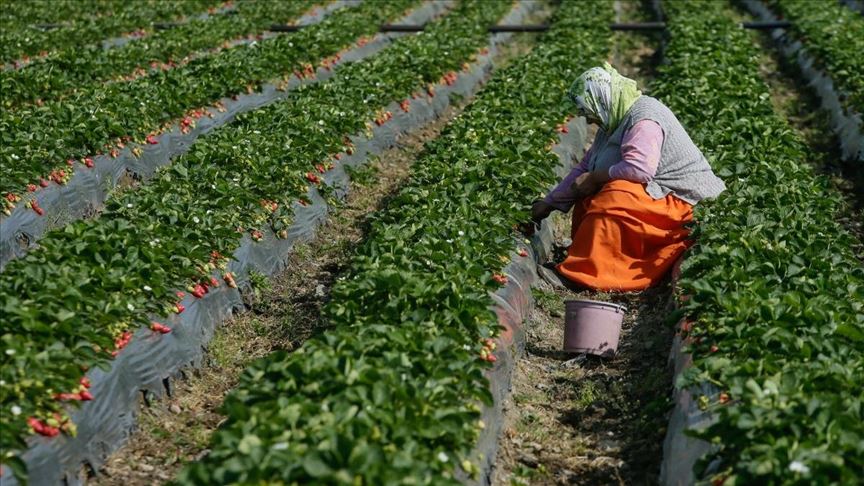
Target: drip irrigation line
x,y
621,27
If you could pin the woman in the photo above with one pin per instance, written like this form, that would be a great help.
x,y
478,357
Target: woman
x,y
634,190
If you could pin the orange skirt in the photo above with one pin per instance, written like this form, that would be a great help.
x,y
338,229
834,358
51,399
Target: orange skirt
x,y
623,239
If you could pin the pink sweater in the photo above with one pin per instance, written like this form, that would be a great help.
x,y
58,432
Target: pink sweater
x,y
640,156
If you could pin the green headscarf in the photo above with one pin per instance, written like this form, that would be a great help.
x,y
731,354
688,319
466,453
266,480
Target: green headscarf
x,y
605,95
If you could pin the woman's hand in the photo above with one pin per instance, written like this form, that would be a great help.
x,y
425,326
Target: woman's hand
x,y
540,210
589,183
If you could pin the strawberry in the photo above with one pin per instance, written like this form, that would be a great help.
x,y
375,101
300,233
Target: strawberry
x,y
563,128
69,162
338,156
214,282
38,210
523,252
84,381
179,308
302,202
313,178
89,162
160,328
405,105
500,278
714,348
43,183
723,397
85,396
180,294
320,168
491,358
257,235
198,291
151,139
229,280
283,234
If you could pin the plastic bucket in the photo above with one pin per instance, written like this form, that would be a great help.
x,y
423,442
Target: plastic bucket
x,y
592,327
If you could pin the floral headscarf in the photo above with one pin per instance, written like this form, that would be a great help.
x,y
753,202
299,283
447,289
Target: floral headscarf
x,y
604,94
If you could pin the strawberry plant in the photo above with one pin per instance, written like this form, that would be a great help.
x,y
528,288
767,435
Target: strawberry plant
x,y
390,394
20,37
112,274
79,66
776,293
834,35
39,139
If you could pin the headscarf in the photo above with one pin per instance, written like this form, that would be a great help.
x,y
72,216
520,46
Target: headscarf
x,y
606,95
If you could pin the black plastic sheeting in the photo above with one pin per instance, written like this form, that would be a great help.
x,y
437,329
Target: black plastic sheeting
x,y
151,361
85,193
845,120
513,303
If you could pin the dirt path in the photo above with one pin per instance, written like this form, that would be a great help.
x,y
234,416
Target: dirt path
x,y
585,420
283,313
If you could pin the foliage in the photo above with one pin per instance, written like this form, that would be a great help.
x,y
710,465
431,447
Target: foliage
x,y
391,393
775,289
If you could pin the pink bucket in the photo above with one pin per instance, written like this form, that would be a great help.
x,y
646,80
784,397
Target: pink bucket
x,y
592,327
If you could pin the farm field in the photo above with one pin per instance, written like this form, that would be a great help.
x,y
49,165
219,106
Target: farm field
x,y
258,242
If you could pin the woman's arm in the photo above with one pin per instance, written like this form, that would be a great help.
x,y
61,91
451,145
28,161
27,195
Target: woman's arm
x,y
562,197
640,153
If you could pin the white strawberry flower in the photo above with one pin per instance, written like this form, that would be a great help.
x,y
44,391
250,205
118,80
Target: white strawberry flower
x,y
16,410
799,467
195,219
147,288
443,457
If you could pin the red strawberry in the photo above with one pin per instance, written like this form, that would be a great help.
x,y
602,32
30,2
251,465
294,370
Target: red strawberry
x,y
36,425
214,282
501,279
320,168
563,129
338,156
179,308
43,183
229,280
69,162
84,381
151,139
724,397
89,162
313,178
160,328
38,210
85,396
405,105
714,348
198,291
491,358
523,252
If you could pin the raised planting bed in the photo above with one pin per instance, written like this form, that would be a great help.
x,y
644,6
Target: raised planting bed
x,y
394,391
826,43
773,294
80,187
78,66
25,35
264,173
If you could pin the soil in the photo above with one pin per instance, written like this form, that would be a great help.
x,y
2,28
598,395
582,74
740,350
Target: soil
x,y
575,419
282,313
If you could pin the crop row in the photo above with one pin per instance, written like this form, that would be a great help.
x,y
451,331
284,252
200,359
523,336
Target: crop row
x,y
60,136
74,299
19,37
834,35
80,66
776,294
391,394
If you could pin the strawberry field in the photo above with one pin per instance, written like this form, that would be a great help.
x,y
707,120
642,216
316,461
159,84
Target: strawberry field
x,y
162,161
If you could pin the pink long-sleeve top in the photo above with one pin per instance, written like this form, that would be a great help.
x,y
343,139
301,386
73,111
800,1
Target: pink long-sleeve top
x,y
640,156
